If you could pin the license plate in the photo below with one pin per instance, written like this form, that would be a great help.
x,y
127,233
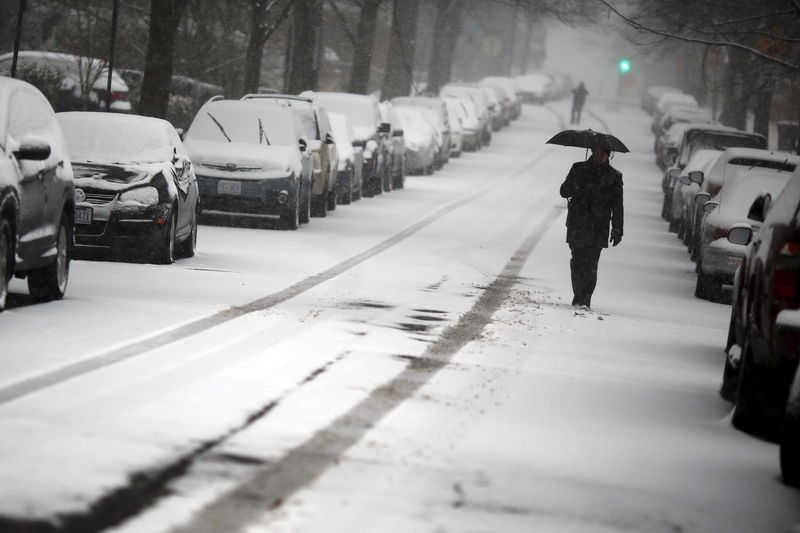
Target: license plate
x,y
735,261
83,215
229,187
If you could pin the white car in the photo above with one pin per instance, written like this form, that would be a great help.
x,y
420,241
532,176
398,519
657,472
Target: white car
x,y
420,140
251,159
349,181
456,115
718,258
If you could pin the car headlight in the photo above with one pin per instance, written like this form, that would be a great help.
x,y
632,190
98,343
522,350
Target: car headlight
x,y
140,195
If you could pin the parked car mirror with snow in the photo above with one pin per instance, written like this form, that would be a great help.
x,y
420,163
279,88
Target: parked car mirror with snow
x,y
709,207
397,133
740,234
674,173
701,198
758,211
685,179
696,176
33,148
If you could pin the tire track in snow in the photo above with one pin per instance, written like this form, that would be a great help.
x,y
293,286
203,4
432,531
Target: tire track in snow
x,y
273,484
28,386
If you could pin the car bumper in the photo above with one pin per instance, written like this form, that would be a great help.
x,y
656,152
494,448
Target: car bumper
x,y
123,227
721,259
419,159
256,197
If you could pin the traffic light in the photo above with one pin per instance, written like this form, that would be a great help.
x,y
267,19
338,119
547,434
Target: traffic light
x,y
624,65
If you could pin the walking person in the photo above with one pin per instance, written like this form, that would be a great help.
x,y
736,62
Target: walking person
x,y
578,99
594,192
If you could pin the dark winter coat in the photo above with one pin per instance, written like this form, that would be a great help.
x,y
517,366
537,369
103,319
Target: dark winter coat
x,y
579,95
595,200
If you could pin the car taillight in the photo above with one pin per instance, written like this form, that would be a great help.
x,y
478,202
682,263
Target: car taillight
x,y
116,95
784,283
790,249
720,233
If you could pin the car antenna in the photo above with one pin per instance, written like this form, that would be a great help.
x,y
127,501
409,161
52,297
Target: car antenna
x,y
219,126
262,133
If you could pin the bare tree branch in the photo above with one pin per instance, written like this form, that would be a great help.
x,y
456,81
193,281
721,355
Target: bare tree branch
x,y
350,35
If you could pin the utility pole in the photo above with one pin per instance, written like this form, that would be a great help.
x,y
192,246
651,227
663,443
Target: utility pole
x,y
114,18
17,37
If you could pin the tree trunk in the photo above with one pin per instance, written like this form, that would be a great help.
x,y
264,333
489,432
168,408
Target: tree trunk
x,y
447,25
304,51
164,18
763,104
362,50
400,59
526,48
255,46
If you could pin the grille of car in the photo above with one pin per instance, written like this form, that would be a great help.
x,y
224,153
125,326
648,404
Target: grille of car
x,y
231,167
98,198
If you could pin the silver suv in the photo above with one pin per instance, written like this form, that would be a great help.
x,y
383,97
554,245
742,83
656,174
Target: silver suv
x,y
36,194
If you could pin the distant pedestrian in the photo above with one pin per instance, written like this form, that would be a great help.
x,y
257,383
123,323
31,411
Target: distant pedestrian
x,y
578,99
594,192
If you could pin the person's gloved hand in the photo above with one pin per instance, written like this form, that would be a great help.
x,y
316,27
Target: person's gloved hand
x,y
616,237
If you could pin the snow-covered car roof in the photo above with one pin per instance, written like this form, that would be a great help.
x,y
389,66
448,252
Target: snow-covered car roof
x,y
116,138
658,90
71,66
667,98
756,154
688,114
361,109
737,195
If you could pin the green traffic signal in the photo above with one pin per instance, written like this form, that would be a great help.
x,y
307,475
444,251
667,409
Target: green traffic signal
x,y
624,65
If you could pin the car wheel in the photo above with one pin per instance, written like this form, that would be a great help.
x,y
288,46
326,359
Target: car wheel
x,y
387,182
377,186
187,247
50,282
346,193
790,450
319,206
291,218
399,180
332,200
6,248
750,414
708,287
428,170
165,255
305,205
357,194
730,381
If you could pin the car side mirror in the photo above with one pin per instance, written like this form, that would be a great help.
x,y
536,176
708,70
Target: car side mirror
x,y
32,148
701,198
709,207
385,127
696,176
329,138
740,233
759,208
302,145
685,180
359,144
397,133
181,132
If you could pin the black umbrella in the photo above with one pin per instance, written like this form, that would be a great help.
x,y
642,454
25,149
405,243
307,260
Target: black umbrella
x,y
588,139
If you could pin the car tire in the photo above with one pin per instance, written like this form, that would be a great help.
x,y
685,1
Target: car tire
x,y
750,411
346,190
332,200
165,254
399,181
291,218
377,186
50,282
319,207
730,381
187,247
708,287
305,205
387,182
790,450
356,195
6,253
428,170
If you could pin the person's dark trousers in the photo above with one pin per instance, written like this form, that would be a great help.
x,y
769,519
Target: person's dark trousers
x,y
576,114
583,267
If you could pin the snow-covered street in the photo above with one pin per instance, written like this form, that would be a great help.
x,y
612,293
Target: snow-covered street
x,y
409,363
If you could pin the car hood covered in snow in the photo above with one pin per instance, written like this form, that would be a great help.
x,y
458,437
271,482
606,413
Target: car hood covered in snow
x,y
115,177
247,160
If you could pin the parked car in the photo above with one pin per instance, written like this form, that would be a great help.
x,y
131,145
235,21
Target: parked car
x,y
471,135
349,181
84,80
397,144
321,147
760,364
717,257
371,131
733,162
499,118
680,113
787,332
478,98
251,159
652,94
685,188
536,88
420,140
670,99
440,119
509,87
456,115
135,187
36,194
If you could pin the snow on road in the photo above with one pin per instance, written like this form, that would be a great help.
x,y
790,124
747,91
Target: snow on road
x,y
552,419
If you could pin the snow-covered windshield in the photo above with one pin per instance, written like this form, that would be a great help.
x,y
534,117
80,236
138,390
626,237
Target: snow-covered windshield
x,y
115,138
245,122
